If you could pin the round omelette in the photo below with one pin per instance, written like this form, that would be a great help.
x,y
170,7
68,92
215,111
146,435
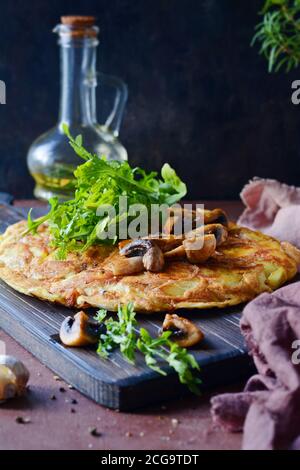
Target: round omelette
x,y
245,265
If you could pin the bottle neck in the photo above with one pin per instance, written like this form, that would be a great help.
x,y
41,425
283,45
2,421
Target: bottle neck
x,y
78,82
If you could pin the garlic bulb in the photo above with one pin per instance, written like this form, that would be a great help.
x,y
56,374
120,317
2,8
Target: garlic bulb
x,y
13,377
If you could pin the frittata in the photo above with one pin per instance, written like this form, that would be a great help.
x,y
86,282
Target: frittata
x,y
245,265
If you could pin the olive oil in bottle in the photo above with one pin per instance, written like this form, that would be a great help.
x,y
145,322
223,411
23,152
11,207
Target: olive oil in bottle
x,y
51,160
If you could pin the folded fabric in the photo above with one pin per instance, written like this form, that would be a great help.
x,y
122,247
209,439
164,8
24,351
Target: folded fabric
x,y
269,408
273,208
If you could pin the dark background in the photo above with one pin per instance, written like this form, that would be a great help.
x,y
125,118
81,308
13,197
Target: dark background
x,y
200,97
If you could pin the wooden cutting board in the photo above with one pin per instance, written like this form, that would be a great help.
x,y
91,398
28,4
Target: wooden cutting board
x,y
114,382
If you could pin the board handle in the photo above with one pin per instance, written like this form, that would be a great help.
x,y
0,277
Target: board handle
x,y
6,198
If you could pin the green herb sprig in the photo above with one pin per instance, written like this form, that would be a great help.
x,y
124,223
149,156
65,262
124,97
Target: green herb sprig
x,y
279,34
75,225
124,334
120,333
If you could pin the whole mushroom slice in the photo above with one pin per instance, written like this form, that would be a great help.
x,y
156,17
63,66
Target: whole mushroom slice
x,y
14,377
185,333
198,253
152,255
80,330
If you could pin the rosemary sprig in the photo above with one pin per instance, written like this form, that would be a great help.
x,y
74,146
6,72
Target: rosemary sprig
x,y
124,334
279,34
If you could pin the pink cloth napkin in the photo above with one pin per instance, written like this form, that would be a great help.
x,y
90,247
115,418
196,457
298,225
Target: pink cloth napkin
x,y
273,208
268,410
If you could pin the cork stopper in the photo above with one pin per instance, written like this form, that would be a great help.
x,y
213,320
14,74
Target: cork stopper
x,y
77,27
78,21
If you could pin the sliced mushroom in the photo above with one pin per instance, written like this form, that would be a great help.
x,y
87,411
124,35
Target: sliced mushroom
x,y
218,230
8,388
123,243
80,330
178,219
196,252
166,242
185,333
153,259
152,255
216,216
171,221
196,217
136,248
14,377
150,252
122,266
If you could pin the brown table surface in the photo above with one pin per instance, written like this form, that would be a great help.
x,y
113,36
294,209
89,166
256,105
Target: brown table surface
x,y
177,425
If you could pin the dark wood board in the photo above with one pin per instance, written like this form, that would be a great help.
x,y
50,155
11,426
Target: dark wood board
x,y
115,383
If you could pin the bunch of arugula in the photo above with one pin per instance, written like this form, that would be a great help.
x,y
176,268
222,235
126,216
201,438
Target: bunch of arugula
x,y
123,333
75,225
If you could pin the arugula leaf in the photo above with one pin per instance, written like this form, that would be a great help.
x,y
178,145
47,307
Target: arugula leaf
x,y
183,363
119,333
74,224
172,183
177,357
123,334
34,224
76,144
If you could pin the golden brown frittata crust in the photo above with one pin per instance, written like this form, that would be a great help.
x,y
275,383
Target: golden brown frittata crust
x,y
247,264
